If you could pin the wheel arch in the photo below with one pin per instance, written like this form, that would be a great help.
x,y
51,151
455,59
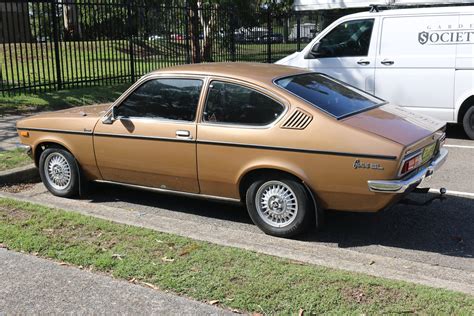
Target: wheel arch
x,y
44,144
465,105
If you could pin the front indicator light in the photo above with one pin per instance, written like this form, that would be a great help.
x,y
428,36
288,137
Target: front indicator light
x,y
24,134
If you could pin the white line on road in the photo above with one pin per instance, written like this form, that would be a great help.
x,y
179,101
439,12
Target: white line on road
x,y
459,146
456,193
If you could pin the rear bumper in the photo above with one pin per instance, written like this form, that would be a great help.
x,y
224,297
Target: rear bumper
x,y
401,186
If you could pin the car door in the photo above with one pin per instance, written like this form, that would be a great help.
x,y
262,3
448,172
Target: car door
x,y
152,140
235,116
415,63
347,52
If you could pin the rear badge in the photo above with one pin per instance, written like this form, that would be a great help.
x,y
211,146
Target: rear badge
x,y
366,165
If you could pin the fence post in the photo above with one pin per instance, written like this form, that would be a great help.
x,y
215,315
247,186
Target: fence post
x,y
186,32
232,27
269,34
298,32
130,40
54,20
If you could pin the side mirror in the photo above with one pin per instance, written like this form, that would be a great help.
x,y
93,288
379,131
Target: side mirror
x,y
109,119
314,52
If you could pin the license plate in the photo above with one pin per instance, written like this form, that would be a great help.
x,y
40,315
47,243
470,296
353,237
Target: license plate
x,y
428,152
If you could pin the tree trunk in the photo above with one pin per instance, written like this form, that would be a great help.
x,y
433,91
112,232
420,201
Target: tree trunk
x,y
194,32
72,28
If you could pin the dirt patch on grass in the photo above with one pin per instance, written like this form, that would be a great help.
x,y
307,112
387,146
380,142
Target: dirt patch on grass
x,y
374,294
16,188
15,214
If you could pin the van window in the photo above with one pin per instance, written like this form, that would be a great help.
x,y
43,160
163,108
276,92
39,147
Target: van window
x,y
331,96
351,38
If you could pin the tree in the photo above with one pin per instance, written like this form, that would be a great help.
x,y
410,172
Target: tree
x,y
72,27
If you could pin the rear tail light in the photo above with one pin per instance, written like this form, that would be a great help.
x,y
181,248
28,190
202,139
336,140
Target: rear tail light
x,y
411,164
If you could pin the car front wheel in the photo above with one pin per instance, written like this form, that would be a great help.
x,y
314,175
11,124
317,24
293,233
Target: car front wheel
x,y
58,171
279,207
468,122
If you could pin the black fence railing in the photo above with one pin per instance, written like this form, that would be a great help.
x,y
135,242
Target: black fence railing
x,y
58,44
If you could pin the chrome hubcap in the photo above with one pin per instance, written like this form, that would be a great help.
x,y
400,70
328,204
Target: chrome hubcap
x,y
57,171
276,204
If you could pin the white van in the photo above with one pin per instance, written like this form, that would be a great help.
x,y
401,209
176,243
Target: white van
x,y
420,58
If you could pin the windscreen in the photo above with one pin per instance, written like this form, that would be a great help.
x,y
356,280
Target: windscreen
x,y
329,95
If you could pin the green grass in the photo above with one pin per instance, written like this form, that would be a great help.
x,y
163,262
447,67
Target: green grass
x,y
61,99
238,279
13,158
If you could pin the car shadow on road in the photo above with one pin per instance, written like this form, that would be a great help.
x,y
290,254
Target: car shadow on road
x,y
445,227
456,131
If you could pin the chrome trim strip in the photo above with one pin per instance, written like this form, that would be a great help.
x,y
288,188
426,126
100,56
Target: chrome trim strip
x,y
309,151
401,186
143,137
166,191
88,132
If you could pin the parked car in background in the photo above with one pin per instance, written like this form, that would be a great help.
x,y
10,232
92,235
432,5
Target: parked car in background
x,y
275,38
286,141
422,58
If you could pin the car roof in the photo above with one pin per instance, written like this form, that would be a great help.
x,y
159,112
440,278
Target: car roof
x,y
253,72
415,11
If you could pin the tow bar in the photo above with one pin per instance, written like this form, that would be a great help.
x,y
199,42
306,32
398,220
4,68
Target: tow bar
x,y
441,197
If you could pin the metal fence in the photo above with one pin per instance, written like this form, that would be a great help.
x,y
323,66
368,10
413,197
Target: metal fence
x,y
58,44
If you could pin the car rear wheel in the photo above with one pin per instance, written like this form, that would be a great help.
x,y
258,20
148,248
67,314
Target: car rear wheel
x,y
468,122
279,207
58,171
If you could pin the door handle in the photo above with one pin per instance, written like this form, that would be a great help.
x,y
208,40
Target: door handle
x,y
363,62
387,62
183,134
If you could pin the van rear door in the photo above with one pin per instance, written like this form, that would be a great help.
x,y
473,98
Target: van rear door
x,y
415,63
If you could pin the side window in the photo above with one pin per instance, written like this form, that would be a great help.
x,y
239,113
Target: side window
x,y
230,103
351,38
173,99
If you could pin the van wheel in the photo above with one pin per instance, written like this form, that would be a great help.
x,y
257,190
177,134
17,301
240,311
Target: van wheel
x,y
468,122
58,171
279,207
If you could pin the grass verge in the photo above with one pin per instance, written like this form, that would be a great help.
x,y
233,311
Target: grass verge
x,y
236,278
55,100
13,158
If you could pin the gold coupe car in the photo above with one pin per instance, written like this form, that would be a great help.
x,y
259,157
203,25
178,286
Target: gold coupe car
x,y
286,141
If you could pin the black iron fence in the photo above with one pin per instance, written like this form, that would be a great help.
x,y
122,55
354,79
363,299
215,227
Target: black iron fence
x,y
57,44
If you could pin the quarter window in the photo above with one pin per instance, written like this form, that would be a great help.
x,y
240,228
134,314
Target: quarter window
x,y
230,103
351,38
173,99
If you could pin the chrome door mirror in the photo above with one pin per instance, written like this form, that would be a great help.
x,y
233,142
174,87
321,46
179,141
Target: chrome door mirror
x,y
111,117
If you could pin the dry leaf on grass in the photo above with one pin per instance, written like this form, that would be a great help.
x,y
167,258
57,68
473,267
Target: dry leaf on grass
x,y
301,312
214,302
3,246
151,285
166,259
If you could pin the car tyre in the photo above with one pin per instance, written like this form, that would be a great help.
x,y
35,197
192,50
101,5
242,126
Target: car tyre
x,y
58,171
279,207
468,122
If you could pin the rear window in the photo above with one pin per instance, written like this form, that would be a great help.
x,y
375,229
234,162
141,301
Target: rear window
x,y
331,96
